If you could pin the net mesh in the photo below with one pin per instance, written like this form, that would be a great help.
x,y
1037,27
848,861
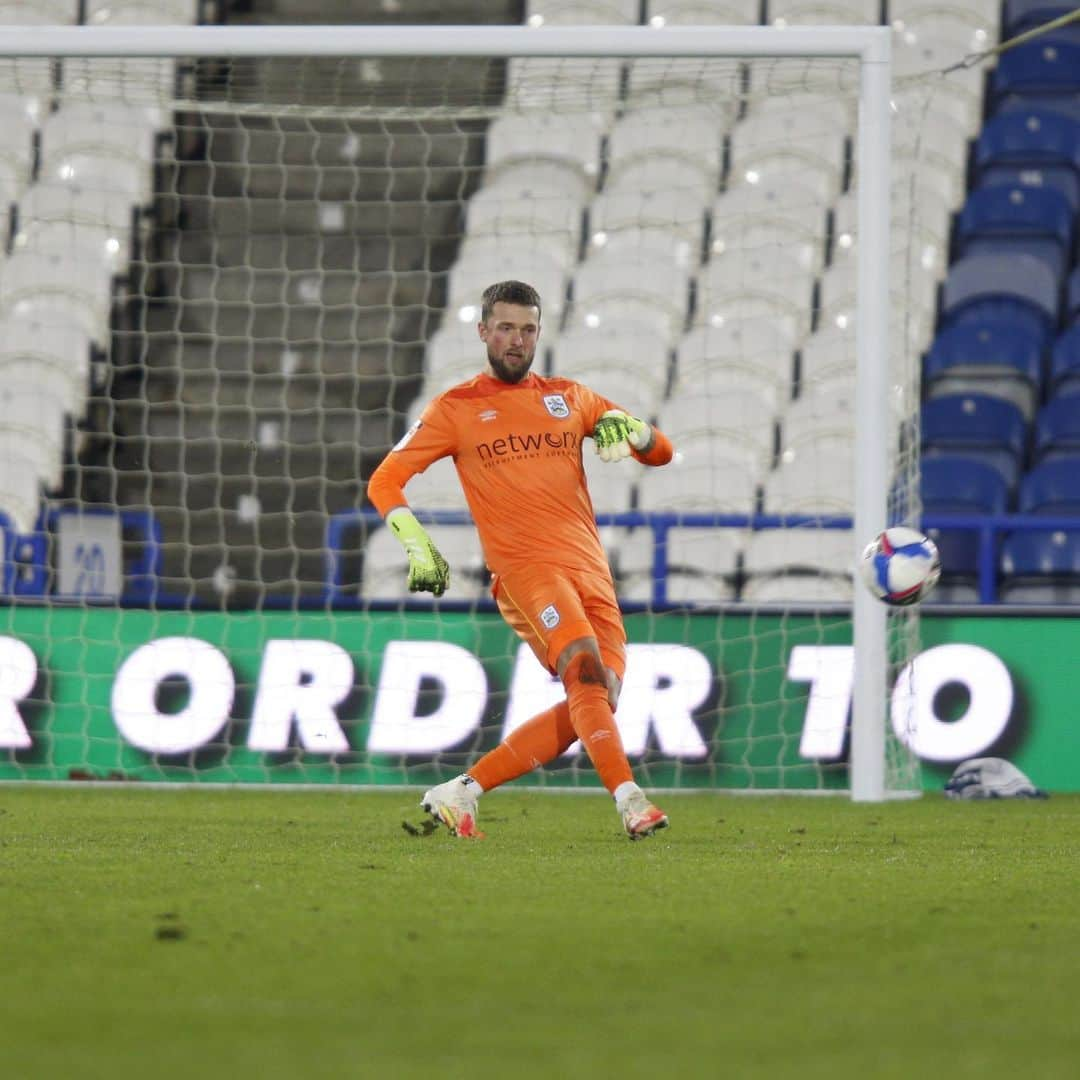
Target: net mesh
x,y
247,276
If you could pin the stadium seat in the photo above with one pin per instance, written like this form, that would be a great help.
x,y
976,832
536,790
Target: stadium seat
x,y
485,260
610,488
16,146
557,150
1052,487
703,478
1057,428
534,84
987,356
20,486
1036,71
40,13
1065,362
1030,138
955,484
798,565
978,18
702,13
665,222
756,284
754,354
979,427
454,346
816,476
1065,182
1022,289
741,418
52,356
823,12
1020,16
773,144
436,488
633,355
668,149
519,208
1072,296
919,57
581,13
749,216
1017,220
1040,567
141,12
62,218
701,565
57,288
614,289
110,146
385,566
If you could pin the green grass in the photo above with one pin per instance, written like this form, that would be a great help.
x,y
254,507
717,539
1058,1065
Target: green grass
x,y
234,934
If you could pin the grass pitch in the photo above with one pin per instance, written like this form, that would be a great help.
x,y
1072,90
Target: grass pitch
x,y
235,934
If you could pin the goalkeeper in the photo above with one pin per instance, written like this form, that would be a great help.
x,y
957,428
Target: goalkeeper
x,y
516,440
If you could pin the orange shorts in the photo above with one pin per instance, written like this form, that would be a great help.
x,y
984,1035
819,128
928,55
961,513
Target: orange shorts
x,y
549,607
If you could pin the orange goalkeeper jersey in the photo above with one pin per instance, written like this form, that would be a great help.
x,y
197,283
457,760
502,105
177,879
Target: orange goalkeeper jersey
x,y
517,449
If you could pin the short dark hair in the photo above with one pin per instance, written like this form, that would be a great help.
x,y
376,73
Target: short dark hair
x,y
508,292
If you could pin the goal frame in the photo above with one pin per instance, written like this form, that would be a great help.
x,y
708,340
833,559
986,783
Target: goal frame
x,y
869,45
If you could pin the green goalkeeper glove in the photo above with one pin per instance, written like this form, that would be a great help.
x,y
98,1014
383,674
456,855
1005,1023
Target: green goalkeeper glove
x,y
428,570
616,432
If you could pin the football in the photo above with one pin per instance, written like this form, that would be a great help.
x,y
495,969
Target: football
x,y
900,566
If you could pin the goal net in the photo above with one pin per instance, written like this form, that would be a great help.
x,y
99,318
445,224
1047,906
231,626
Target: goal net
x,y
231,285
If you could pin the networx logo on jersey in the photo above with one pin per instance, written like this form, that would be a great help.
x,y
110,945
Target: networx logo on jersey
x,y
532,444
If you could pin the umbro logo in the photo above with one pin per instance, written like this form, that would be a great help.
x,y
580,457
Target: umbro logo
x,y
488,414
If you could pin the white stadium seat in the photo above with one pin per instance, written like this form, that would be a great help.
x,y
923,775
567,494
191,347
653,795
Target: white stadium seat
x,y
615,289
738,417
823,12
611,483
141,12
386,568
60,217
751,354
704,478
677,149
640,222
20,487
486,260
60,288
106,146
798,565
32,426
703,12
55,357
634,356
761,283
436,488
815,477
519,210
581,13
557,151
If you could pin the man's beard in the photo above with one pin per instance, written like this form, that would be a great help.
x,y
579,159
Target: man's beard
x,y
507,374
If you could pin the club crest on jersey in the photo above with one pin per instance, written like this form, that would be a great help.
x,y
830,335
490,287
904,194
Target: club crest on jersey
x,y
556,405
550,617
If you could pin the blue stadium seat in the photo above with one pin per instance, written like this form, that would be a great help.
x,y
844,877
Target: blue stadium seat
x,y
1041,567
1015,220
1065,362
1022,15
1052,487
1047,67
980,427
1022,289
1057,428
1065,182
988,356
1034,138
1072,296
956,484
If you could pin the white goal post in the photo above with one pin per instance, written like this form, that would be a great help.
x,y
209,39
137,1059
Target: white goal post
x,y
869,46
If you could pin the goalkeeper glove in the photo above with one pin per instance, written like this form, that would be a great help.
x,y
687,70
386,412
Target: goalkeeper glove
x,y
616,432
428,570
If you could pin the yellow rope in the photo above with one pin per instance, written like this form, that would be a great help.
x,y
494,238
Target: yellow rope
x,y
972,59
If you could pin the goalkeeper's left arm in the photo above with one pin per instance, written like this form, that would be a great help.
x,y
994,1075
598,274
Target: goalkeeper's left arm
x,y
618,435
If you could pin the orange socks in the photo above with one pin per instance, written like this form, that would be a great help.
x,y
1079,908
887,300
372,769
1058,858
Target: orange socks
x,y
585,715
538,741
587,695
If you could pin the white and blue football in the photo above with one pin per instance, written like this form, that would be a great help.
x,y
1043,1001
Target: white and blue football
x,y
900,566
